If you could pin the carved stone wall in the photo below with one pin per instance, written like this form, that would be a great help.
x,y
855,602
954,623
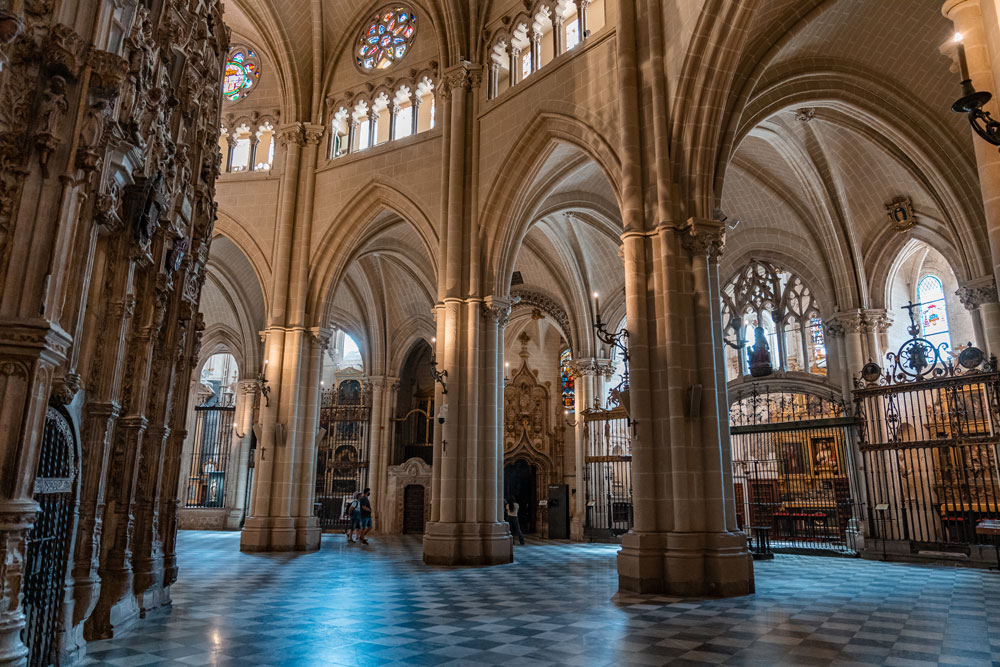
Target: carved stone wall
x,y
528,432
109,161
412,471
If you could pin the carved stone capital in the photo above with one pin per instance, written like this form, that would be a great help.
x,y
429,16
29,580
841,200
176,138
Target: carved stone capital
x,y
64,389
977,292
292,133
498,308
592,366
701,237
313,134
322,336
877,320
247,387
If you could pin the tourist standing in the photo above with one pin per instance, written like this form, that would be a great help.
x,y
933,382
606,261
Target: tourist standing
x,y
511,509
366,515
354,516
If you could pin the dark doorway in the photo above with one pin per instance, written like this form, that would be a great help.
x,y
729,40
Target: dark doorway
x,y
519,483
413,509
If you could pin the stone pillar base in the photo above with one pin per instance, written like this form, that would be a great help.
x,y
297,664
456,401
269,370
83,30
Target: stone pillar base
x,y
270,533
468,544
686,564
576,531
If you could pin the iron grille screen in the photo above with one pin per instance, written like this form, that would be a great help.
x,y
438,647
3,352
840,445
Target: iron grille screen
x,y
210,455
930,455
608,473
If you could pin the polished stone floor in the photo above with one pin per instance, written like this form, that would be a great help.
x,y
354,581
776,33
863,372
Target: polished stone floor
x,y
557,605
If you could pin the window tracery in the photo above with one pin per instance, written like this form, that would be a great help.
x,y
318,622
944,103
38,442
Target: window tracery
x,y
528,42
249,145
386,38
241,73
389,112
767,296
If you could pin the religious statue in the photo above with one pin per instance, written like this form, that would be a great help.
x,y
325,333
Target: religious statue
x,y
760,354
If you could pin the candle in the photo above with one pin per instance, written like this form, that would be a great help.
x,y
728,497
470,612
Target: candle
x,y
963,64
597,307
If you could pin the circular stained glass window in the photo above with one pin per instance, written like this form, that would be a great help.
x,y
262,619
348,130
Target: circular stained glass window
x,y
241,74
386,38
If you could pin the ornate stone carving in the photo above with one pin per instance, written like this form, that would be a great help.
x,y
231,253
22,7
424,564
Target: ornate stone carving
x,y
592,367
547,304
499,309
64,389
977,292
702,237
805,114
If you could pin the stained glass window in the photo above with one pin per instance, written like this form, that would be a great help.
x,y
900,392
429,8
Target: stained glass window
x,y
817,341
386,38
241,74
566,377
933,310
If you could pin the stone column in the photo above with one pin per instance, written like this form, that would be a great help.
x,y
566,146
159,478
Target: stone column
x,y
558,34
282,517
968,19
980,298
581,12
239,469
254,143
415,116
376,431
373,117
536,51
515,65
393,114
684,541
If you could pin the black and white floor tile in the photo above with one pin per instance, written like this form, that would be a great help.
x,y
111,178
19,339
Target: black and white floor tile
x,y
556,605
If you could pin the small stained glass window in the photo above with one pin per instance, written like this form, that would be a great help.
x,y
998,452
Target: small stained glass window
x,y
566,377
241,74
386,38
933,310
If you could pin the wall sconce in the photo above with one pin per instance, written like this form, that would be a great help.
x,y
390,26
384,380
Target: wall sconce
x,y
238,435
439,376
262,387
569,422
617,340
971,102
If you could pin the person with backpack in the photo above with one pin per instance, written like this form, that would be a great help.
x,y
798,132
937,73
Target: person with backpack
x,y
354,516
511,509
366,515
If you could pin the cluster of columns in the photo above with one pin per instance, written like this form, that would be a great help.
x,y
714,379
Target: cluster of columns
x,y
281,515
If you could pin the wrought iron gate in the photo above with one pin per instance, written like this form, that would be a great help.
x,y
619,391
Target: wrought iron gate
x,y
49,540
210,456
608,473
930,445
343,453
794,473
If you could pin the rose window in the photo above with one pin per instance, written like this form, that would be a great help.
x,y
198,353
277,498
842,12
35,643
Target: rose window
x,y
386,39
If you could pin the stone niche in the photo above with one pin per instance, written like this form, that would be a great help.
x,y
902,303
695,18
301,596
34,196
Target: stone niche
x,y
413,472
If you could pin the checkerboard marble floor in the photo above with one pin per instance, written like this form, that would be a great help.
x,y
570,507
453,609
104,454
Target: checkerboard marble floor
x,y
556,605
